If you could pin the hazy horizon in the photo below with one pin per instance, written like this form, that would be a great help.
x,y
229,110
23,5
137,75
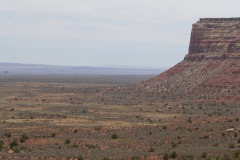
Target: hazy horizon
x,y
101,66
95,33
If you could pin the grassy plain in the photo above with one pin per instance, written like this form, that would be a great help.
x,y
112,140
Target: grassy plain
x,y
60,117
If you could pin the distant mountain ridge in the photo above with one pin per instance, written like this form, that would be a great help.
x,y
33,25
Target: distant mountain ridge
x,y
40,69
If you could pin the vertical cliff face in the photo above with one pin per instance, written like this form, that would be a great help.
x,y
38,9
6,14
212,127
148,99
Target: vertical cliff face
x,y
215,38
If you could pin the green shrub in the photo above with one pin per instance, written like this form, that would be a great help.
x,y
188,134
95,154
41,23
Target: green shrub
x,y
151,150
1,145
8,135
164,127
13,144
80,157
165,156
215,145
226,157
67,141
237,154
75,131
187,157
75,145
174,145
135,158
205,137
235,134
173,155
231,145
114,136
204,155
53,134
24,138
16,149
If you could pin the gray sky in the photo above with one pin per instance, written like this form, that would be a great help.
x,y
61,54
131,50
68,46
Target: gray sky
x,y
99,32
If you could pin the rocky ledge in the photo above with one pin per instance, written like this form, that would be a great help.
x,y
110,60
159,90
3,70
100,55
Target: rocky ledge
x,y
215,38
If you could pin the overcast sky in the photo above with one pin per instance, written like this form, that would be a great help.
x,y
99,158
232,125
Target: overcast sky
x,y
100,32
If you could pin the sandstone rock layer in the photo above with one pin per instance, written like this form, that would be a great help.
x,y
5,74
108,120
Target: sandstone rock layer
x,y
215,38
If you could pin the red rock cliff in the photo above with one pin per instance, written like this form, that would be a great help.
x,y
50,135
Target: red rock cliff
x,y
215,38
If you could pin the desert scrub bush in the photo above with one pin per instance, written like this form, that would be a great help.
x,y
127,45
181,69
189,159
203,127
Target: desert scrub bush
x,y
231,145
215,145
189,120
165,156
13,144
135,158
75,131
237,154
53,134
16,149
67,141
114,136
1,145
238,140
187,157
164,127
80,157
24,148
235,134
151,150
174,145
75,145
204,155
206,137
24,138
90,145
223,134
225,157
173,155
8,135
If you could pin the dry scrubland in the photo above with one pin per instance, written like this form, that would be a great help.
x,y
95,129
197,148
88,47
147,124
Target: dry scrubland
x,y
70,118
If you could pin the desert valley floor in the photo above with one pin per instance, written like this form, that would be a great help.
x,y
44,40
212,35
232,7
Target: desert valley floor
x,y
54,117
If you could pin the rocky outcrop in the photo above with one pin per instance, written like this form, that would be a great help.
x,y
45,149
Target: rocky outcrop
x,y
215,38
211,69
